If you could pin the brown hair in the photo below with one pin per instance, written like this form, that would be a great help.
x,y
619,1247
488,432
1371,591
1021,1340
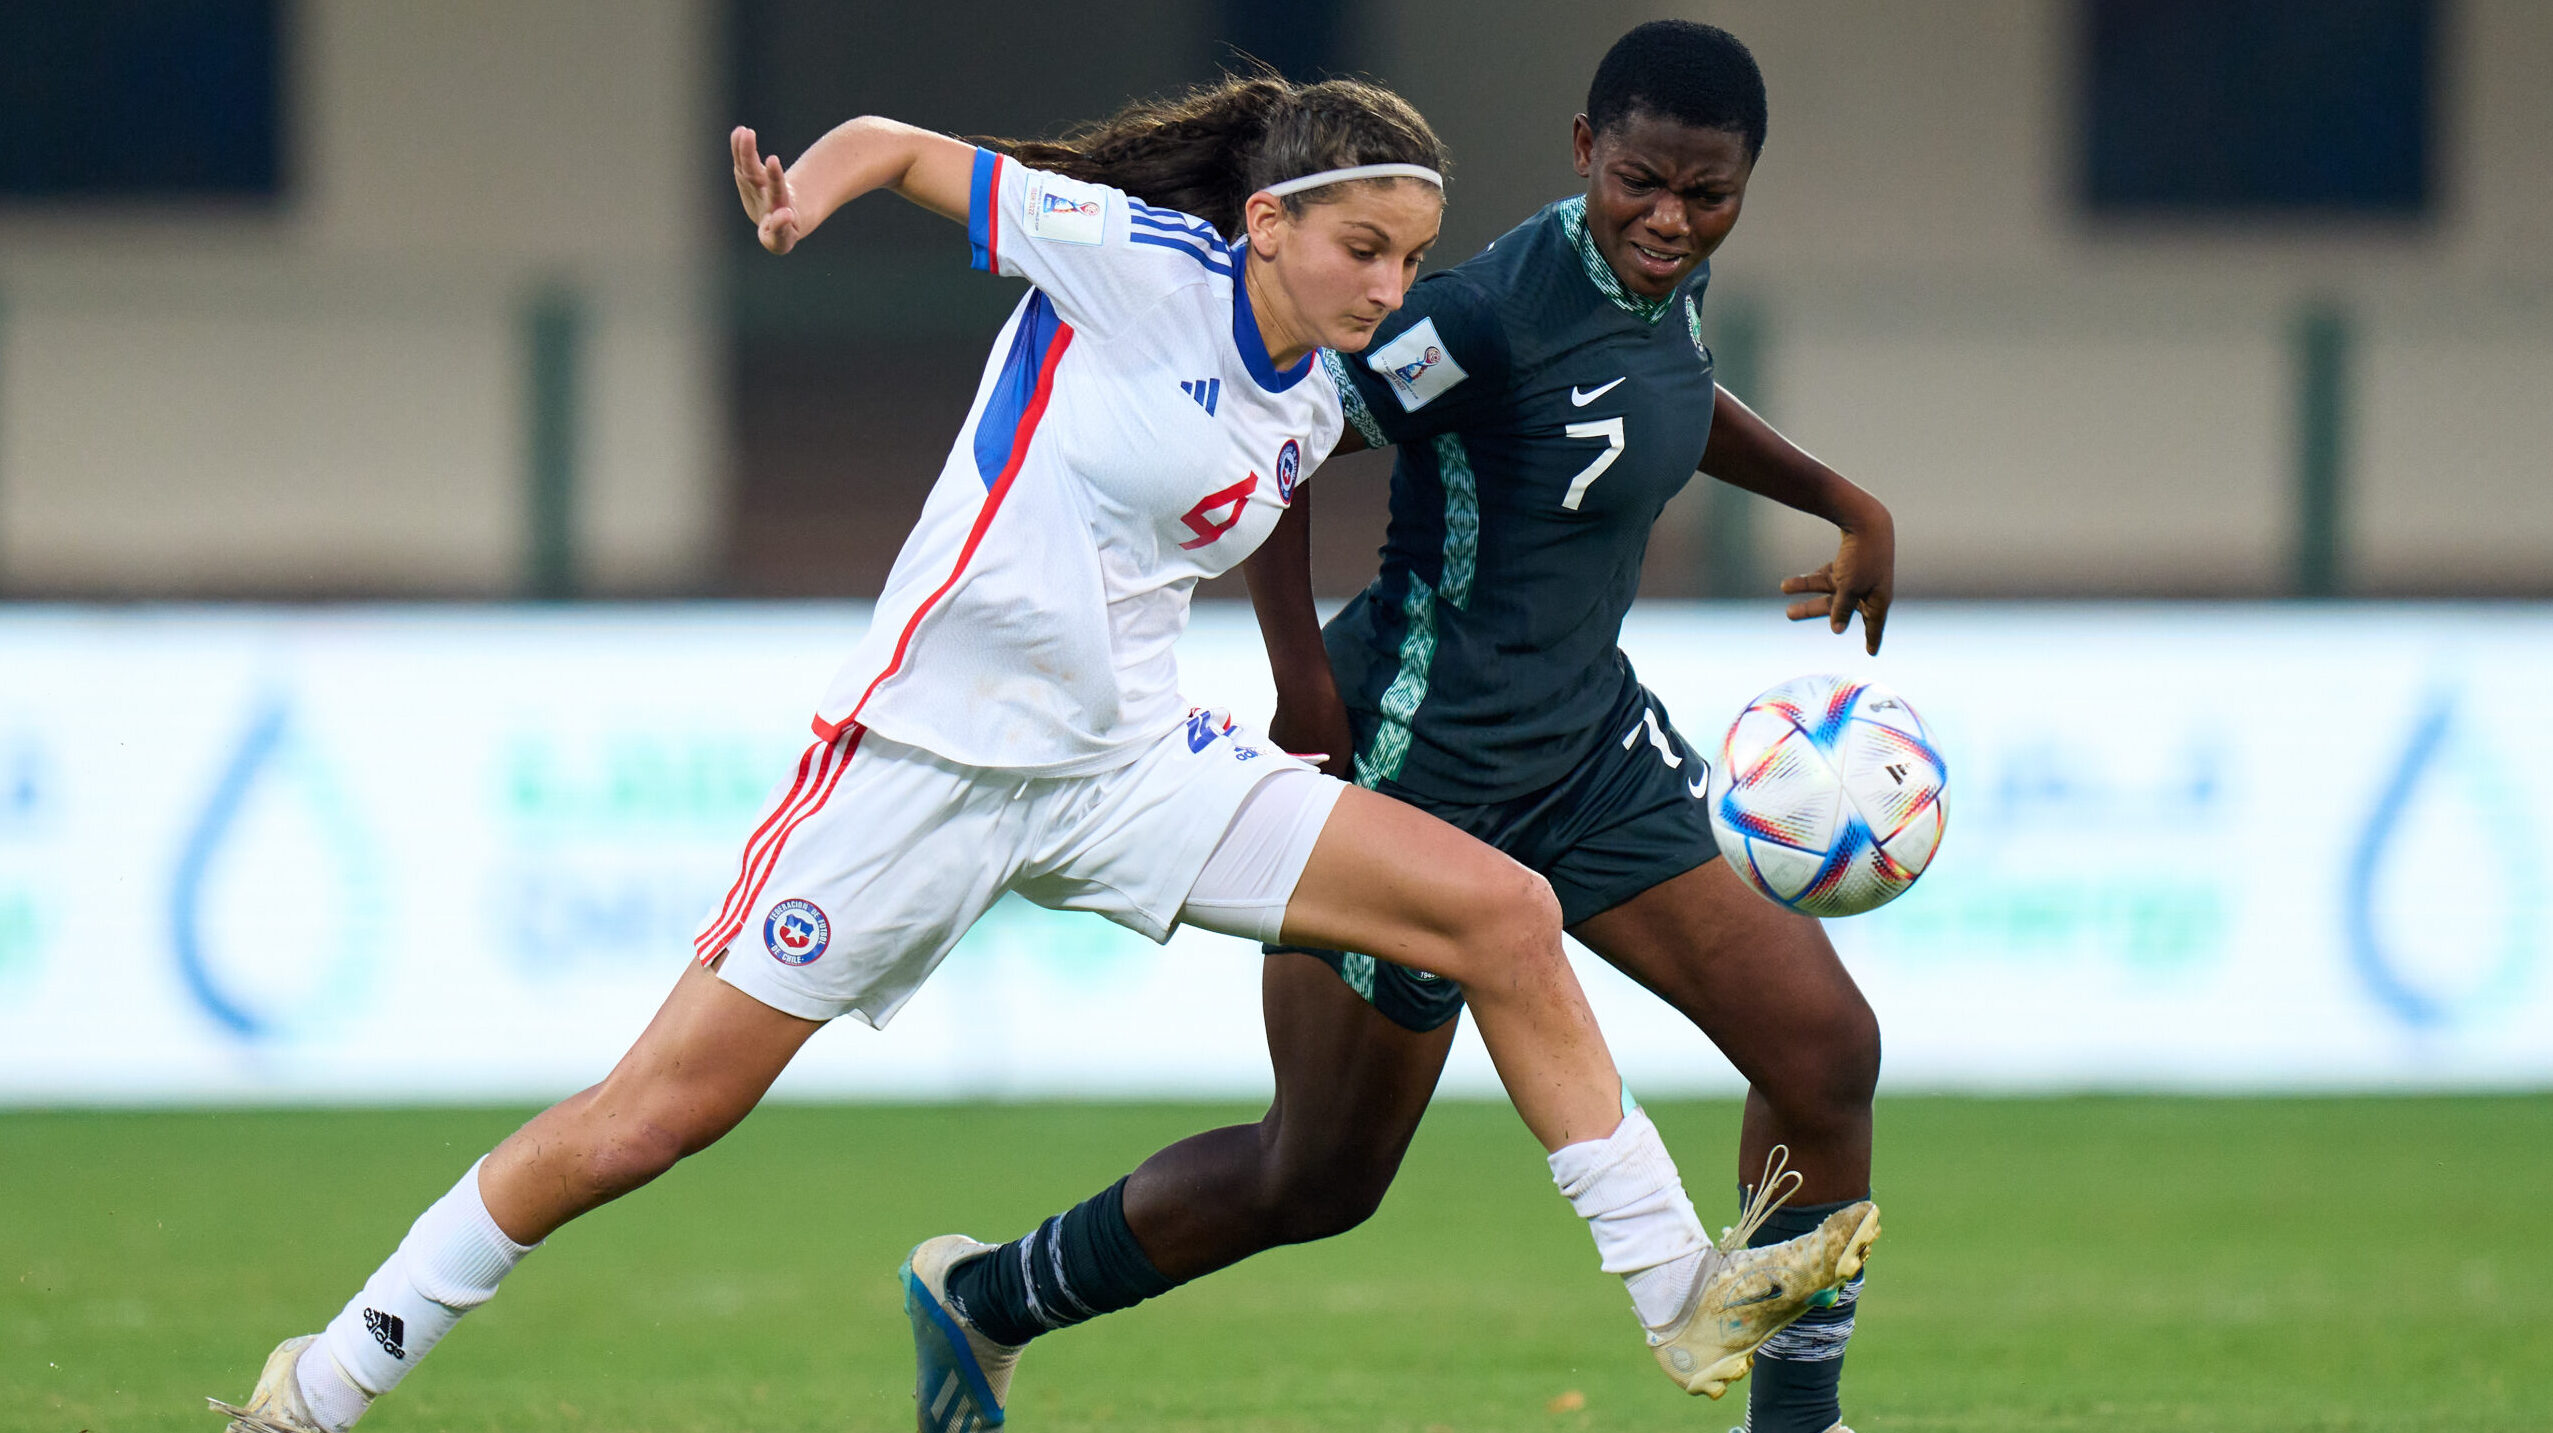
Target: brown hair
x,y
1207,151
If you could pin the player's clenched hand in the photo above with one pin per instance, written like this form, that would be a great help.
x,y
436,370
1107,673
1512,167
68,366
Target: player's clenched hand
x,y
1862,578
764,186
1310,727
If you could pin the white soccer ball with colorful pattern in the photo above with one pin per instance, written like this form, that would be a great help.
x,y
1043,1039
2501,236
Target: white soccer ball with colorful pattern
x,y
1827,796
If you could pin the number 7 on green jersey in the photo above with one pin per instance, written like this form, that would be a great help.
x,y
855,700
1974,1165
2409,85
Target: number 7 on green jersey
x,y
1609,429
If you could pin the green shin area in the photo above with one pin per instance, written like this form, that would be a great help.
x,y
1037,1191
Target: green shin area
x,y
2061,1264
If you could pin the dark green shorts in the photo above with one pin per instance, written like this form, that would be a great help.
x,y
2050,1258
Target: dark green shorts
x,y
1633,815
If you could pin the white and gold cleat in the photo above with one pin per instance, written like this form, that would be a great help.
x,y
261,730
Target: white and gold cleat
x,y
276,1405
1746,1296
961,1379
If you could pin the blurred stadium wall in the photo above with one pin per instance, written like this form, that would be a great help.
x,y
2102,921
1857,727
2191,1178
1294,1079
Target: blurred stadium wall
x,y
334,386
491,327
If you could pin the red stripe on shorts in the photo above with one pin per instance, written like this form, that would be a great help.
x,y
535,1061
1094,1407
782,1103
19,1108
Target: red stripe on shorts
x,y
730,923
759,863
744,864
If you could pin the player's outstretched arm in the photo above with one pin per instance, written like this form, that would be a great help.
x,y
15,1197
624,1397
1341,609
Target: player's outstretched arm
x,y
856,157
1310,718
1745,452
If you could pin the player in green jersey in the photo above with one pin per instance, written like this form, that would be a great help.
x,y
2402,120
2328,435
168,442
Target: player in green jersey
x,y
1546,397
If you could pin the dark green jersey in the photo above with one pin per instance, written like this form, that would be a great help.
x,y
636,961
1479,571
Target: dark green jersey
x,y
1544,415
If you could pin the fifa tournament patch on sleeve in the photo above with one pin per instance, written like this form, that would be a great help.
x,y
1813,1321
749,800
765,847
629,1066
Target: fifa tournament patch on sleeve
x,y
1066,211
1417,366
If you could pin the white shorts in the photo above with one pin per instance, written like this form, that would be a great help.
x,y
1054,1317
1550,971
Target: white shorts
x,y
871,861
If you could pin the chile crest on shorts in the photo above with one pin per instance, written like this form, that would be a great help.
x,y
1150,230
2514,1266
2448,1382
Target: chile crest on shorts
x,y
1289,467
796,932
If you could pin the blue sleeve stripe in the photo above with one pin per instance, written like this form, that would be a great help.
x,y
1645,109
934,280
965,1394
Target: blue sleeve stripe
x,y
1176,223
1174,219
1214,259
1173,236
982,223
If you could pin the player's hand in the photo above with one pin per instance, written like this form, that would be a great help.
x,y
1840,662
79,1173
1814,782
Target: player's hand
x,y
1307,727
764,186
1862,578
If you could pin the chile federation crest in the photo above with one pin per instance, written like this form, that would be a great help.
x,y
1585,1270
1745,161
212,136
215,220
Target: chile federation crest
x,y
796,932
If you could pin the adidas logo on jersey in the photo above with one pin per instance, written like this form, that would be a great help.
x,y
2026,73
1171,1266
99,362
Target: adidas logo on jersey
x,y
1207,391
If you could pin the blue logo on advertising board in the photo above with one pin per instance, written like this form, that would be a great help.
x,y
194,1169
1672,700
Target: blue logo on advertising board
x,y
25,786
2448,841
277,913
27,818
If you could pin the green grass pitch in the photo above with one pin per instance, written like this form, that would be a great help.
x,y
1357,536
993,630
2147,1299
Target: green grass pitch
x,y
2049,1265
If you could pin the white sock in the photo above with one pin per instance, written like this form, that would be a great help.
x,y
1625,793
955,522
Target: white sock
x,y
1625,1186
448,1265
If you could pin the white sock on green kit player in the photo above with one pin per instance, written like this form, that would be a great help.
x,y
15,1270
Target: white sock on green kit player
x,y
448,1265
1626,1187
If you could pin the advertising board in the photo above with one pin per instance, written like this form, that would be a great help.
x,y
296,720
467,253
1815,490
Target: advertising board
x,y
398,854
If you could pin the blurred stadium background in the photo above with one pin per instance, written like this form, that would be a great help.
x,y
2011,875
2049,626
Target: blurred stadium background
x,y
426,518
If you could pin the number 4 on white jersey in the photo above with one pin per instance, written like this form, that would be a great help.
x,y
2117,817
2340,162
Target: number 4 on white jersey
x,y
1609,429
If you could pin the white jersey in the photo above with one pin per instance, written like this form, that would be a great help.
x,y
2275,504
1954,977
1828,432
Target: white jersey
x,y
1130,435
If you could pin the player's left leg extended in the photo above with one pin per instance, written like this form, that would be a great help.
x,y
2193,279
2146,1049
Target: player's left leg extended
x,y
1764,984
698,1068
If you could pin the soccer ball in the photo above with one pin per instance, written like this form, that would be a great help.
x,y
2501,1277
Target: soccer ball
x,y
1827,796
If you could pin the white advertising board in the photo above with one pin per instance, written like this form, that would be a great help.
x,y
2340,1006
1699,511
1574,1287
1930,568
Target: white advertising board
x,y
430,854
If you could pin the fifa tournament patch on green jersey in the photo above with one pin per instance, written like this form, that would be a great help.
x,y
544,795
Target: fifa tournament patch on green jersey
x,y
1417,366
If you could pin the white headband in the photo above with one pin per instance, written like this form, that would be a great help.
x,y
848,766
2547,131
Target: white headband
x,y
1363,171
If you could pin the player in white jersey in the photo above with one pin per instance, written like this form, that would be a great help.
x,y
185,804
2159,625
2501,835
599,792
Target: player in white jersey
x,y
1012,721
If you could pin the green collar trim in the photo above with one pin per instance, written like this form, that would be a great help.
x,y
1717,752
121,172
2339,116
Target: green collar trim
x,y
1573,221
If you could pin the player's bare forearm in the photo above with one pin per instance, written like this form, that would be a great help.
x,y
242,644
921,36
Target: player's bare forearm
x,y
870,152
1744,451
854,158
1310,717
1280,577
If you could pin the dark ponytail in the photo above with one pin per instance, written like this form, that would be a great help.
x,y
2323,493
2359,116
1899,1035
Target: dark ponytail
x,y
1207,151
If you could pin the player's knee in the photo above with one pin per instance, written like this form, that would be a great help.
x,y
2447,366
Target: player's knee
x,y
1325,1213
1539,908
1829,1076
1854,1078
1511,933
1321,1198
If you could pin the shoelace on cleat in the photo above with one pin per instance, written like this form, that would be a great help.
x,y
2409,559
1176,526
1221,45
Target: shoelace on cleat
x,y
1774,1190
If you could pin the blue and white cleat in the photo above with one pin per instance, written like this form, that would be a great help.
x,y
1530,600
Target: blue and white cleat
x,y
960,1377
